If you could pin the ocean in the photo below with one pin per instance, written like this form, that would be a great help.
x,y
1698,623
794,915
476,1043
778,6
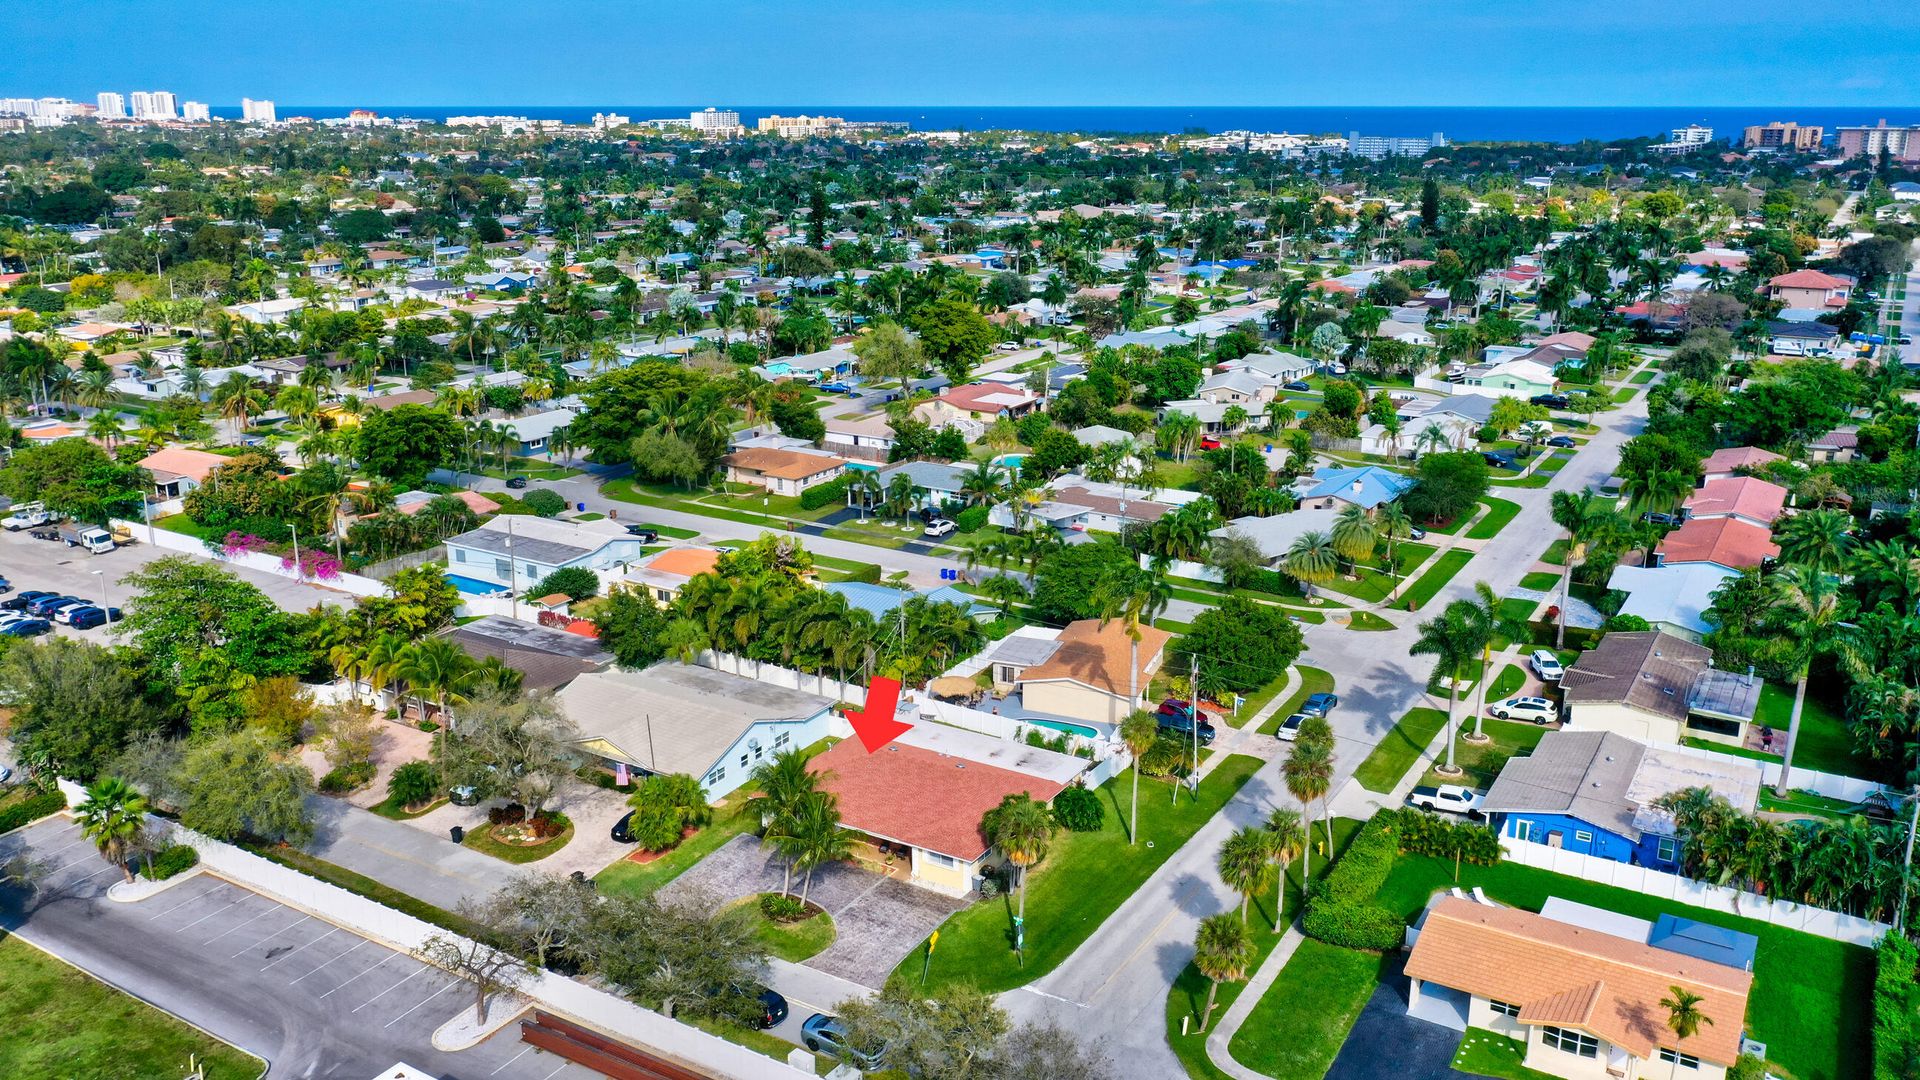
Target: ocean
x,y
1458,123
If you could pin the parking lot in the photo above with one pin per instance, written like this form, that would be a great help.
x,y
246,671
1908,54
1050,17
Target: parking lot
x,y
313,998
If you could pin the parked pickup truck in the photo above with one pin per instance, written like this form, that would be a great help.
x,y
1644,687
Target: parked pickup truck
x,y
26,516
92,537
1449,798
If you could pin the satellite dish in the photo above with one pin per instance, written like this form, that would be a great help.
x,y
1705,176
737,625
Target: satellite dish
x,y
753,744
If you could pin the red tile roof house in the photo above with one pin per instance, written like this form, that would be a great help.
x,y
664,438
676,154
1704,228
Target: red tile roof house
x,y
1840,444
782,472
921,798
979,401
1809,289
1722,541
1743,498
1727,462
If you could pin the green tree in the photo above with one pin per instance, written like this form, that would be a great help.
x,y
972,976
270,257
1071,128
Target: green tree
x,y
75,705
1490,622
1805,609
75,477
1311,560
887,352
415,783
242,784
630,626
954,336
1308,774
114,817
577,582
1246,864
1223,951
1021,829
1139,731
1286,841
1576,514
1683,1012
1242,645
1450,638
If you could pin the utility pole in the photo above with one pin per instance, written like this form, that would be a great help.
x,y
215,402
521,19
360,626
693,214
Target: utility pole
x,y
1193,786
1913,825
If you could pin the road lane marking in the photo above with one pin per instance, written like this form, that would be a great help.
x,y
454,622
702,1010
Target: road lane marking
x,y
301,948
273,935
423,1001
343,955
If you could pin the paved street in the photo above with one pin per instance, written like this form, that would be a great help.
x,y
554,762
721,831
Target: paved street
x,y
312,998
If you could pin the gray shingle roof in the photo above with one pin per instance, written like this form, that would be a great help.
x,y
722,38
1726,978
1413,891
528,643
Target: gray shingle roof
x,y
1583,774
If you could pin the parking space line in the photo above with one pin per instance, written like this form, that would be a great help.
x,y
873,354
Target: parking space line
x,y
301,948
423,1001
417,972
63,866
271,908
273,935
241,899
556,1072
343,955
64,847
511,1060
197,896
370,970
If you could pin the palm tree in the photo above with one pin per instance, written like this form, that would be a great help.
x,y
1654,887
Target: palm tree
x,y
1816,539
1308,772
1683,1012
1658,491
1805,610
1489,623
1392,525
1574,512
1245,861
114,817
817,838
1139,731
434,665
1021,829
237,399
1449,639
1311,560
1223,951
1286,840
1354,535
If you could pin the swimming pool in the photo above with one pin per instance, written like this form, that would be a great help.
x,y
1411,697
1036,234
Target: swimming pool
x,y
475,587
1061,725
1011,461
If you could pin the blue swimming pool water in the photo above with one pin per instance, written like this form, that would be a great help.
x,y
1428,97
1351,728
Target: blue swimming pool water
x,y
1061,725
474,586
1011,461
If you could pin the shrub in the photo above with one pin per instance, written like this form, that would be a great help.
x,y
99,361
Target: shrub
x,y
972,519
868,573
1893,1033
174,859
1340,908
831,493
577,582
547,824
781,908
544,502
1079,810
1355,926
339,781
510,814
413,783
1421,833
1626,623
31,809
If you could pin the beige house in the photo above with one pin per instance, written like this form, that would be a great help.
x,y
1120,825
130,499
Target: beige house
x,y
1654,687
1088,677
1585,1002
782,472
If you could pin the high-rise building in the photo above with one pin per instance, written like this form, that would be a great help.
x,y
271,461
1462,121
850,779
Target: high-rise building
x,y
111,106
258,112
152,104
1898,143
195,112
1692,135
1783,136
799,127
711,121
1384,146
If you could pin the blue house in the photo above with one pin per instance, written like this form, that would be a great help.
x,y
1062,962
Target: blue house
x,y
1595,792
1366,486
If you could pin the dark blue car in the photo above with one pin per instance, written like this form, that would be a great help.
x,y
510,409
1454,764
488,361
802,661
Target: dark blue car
x,y
1320,704
87,618
26,628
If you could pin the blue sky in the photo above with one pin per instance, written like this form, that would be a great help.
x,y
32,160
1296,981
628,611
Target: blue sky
x,y
995,52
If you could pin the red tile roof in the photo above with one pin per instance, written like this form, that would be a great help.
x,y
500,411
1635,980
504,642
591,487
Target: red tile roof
x,y
1734,457
1746,496
919,797
1809,279
1725,541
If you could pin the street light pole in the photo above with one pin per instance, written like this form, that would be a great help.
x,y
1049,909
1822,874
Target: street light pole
x,y
1913,825
103,588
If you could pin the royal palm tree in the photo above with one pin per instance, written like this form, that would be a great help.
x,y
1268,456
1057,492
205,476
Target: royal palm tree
x,y
1139,731
1021,829
1245,863
1489,623
1311,560
1308,773
1450,639
1574,512
1223,951
1392,525
239,399
1683,1012
1286,839
1805,610
114,817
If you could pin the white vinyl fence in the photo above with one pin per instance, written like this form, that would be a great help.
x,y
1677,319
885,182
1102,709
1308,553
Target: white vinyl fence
x,y
1811,920
253,560
589,1005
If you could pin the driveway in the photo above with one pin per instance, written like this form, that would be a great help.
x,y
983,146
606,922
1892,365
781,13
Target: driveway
x,y
312,998
877,920
1387,1044
593,811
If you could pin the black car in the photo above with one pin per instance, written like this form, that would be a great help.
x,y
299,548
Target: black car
x,y
1654,517
622,831
1551,401
20,601
1562,441
1177,717
768,1007
1499,459
646,535
1297,386
773,1009
87,618
516,482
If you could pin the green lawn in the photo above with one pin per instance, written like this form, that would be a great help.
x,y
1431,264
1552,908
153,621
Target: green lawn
x,y
1258,699
181,523
1811,1000
1507,683
1489,1053
1189,994
1372,583
1625,394
1312,681
483,840
1540,581
1396,753
792,942
1643,378
1555,555
1499,512
1295,1032
1435,579
1483,761
641,879
1084,877
1824,742
61,1022
1367,620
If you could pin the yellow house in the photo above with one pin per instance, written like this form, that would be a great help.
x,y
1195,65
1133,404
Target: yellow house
x,y
1088,677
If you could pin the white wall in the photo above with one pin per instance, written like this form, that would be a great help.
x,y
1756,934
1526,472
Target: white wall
x,y
252,560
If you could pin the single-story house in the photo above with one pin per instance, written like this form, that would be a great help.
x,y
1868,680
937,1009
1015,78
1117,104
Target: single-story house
x,y
1365,486
514,551
1211,414
1723,541
816,367
782,472
1275,534
1518,377
1728,461
871,433
412,502
1656,687
433,288
923,797
1595,792
977,401
1091,676
1802,338
1585,1002
545,658
1839,445
535,429
935,483
179,469
1078,506
1742,498
1673,599
682,718
268,312
663,574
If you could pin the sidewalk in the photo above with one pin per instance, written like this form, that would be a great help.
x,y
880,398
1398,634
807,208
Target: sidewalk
x,y
1220,1036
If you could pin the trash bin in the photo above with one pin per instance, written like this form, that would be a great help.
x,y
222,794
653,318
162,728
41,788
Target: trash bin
x,y
458,834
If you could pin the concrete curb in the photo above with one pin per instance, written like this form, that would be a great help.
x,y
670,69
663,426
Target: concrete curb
x,y
461,1032
132,892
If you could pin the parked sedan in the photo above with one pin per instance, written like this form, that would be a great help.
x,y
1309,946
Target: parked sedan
x,y
27,628
516,482
825,1034
646,535
19,602
1290,727
938,527
1321,704
1551,401
47,605
87,618
1564,442
1537,709
1298,386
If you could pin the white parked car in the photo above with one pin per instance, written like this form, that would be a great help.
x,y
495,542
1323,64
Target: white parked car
x,y
1290,727
939,527
1546,665
1537,709
1449,799
1009,346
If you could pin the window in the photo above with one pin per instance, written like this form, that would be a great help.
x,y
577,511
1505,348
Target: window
x,y
716,776
459,554
743,761
938,859
503,568
781,740
531,571
1573,1042
1675,1057
1583,838
1504,1008
1668,849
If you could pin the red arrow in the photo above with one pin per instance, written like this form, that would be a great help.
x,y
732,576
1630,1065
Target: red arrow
x,y
875,725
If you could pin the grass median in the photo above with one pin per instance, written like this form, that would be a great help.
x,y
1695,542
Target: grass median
x,y
1396,754
1435,579
1312,681
1499,512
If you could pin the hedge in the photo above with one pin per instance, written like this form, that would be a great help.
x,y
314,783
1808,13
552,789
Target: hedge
x,y
31,809
1578,637
174,859
833,491
1421,833
972,519
1893,1025
1340,907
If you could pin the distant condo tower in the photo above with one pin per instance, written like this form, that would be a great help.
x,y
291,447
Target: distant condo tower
x,y
1382,146
110,106
257,112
